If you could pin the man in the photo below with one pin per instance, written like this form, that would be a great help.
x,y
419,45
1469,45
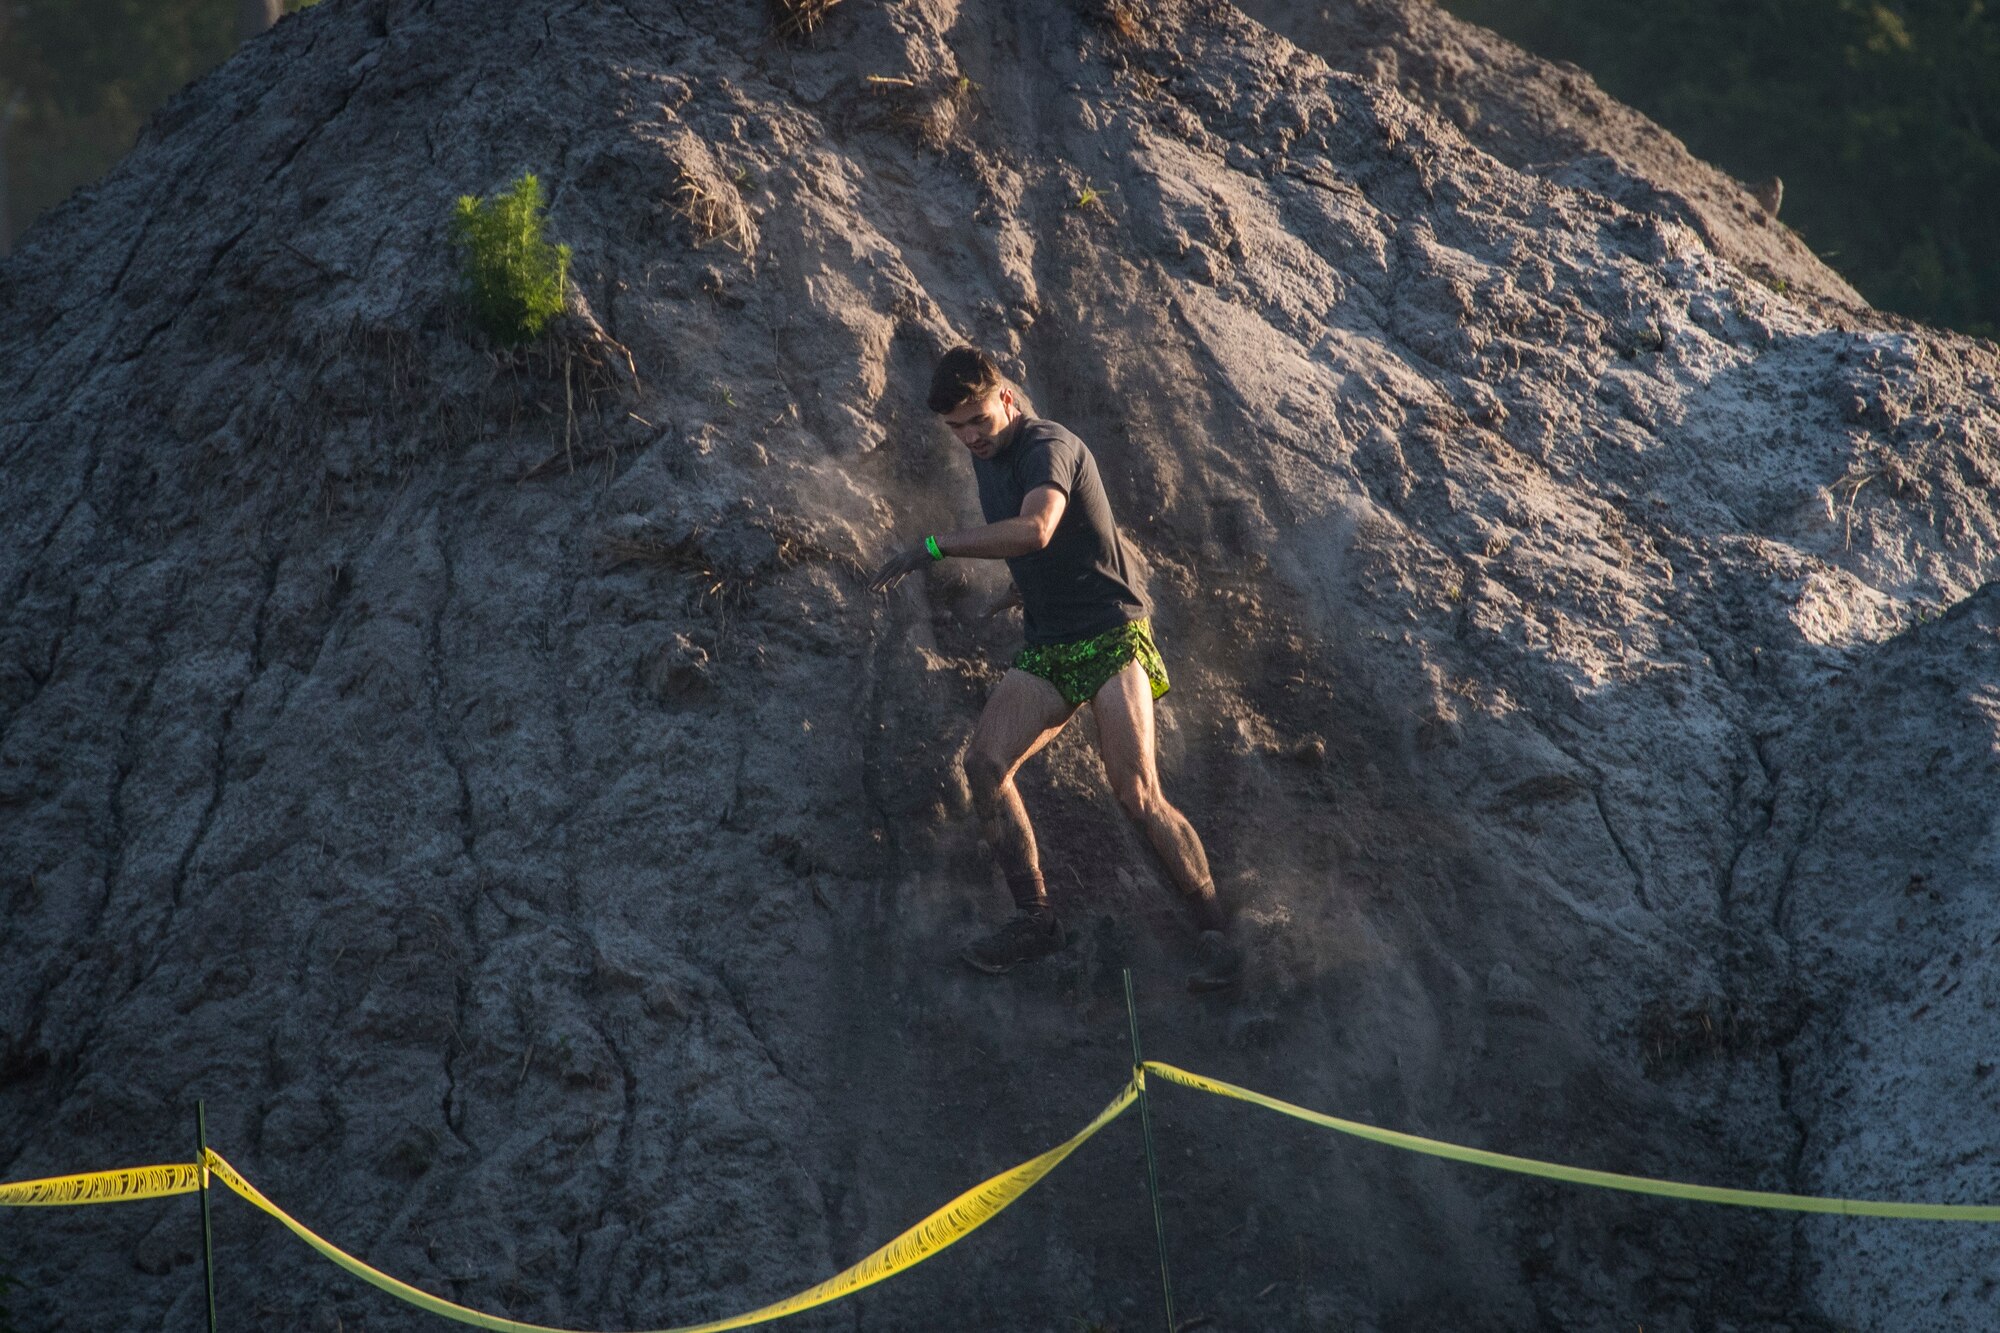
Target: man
x,y
1088,641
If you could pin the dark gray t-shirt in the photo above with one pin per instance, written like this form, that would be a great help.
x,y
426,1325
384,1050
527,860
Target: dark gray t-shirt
x,y
1083,582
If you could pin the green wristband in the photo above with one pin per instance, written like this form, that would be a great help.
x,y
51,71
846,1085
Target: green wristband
x,y
930,544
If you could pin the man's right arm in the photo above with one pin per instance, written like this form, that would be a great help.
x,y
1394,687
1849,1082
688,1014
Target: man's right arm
x,y
1024,534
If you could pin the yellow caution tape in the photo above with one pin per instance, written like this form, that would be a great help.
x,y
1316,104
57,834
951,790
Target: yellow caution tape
x,y
962,1215
955,1220
1576,1175
132,1182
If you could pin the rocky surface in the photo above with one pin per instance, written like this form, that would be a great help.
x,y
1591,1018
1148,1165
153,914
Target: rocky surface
x,y
485,782
1550,119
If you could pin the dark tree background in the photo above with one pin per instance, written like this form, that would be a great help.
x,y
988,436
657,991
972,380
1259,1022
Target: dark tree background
x,y
1881,116
78,78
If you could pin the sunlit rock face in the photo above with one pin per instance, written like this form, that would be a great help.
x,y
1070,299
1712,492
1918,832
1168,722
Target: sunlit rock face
x,y
486,783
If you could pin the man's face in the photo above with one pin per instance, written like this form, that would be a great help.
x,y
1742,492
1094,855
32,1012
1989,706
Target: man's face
x,y
979,422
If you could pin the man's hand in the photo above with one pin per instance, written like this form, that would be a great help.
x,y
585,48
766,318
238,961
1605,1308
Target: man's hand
x,y
906,561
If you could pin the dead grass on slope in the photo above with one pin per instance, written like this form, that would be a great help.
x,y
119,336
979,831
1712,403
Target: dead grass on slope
x,y
729,589
713,212
683,555
796,20
930,110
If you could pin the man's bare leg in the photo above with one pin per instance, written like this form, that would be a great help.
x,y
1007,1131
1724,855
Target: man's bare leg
x,y
1024,713
1124,713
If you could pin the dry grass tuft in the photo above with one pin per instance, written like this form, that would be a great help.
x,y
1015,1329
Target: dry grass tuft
x,y
1671,1037
1848,487
713,212
796,547
684,555
930,110
722,589
795,20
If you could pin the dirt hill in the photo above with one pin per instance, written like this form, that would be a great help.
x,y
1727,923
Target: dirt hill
x,y
1550,119
486,782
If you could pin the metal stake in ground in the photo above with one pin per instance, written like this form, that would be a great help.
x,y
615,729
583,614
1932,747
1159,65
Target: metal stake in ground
x,y
207,1232
1152,1170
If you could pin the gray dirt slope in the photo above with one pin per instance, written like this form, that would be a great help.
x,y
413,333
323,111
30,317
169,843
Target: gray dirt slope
x,y
1550,119
487,784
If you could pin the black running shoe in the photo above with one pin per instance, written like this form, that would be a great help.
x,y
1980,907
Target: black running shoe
x,y
1027,936
1218,963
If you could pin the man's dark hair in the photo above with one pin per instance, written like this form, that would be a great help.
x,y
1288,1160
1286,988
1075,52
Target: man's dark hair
x,y
964,374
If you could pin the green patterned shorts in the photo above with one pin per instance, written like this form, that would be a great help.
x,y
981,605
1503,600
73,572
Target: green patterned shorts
x,y
1079,670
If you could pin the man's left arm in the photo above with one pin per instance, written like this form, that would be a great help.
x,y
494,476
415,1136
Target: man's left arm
x,y
1024,534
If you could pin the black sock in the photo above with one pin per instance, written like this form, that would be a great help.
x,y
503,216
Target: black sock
x,y
1208,914
1031,894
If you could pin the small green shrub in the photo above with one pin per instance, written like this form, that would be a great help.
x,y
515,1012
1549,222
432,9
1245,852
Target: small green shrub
x,y
511,277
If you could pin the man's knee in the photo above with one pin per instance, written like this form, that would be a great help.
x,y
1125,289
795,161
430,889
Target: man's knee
x,y
985,774
1138,795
